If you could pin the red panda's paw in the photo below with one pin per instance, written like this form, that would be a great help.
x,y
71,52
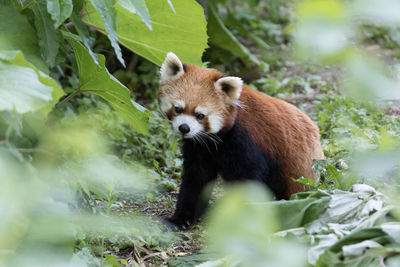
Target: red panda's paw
x,y
176,224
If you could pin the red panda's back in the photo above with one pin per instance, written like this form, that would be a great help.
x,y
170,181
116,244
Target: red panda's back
x,y
283,131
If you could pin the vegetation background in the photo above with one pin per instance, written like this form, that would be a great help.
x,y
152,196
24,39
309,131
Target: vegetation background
x,y
88,166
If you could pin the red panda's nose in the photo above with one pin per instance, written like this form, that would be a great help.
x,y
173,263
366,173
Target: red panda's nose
x,y
184,128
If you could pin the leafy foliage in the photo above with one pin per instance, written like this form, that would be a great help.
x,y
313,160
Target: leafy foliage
x,y
341,229
23,88
95,76
185,30
59,11
12,22
76,181
222,37
74,190
138,7
106,9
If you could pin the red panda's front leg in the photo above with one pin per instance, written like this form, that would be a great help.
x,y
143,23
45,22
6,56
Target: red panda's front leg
x,y
198,172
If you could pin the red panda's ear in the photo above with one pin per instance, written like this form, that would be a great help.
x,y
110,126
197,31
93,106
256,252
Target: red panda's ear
x,y
230,86
172,67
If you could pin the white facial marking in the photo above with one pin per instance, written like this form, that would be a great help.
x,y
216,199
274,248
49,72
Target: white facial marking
x,y
201,110
165,104
194,125
179,103
215,121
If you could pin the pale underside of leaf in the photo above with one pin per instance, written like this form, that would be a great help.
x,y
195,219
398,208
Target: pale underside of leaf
x,y
20,89
137,7
171,5
106,9
36,97
59,10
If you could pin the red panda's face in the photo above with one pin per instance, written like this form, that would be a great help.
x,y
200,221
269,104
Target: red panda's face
x,y
198,102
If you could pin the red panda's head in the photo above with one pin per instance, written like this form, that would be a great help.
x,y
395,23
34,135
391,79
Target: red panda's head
x,y
197,101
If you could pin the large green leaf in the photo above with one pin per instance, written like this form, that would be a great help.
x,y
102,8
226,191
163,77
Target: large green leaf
x,y
17,34
184,33
137,7
47,34
106,9
23,87
97,80
59,10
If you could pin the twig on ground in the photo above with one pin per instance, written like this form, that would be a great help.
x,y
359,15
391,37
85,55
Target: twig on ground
x,y
162,255
138,259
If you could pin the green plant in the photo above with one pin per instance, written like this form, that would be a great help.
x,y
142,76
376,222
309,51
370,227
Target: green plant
x,y
59,151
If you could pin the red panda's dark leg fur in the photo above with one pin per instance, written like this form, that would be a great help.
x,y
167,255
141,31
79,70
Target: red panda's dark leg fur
x,y
198,172
239,158
236,158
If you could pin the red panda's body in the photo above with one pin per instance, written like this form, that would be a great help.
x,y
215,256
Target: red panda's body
x,y
234,131
281,130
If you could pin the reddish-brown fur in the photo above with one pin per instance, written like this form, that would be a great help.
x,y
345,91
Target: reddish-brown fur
x,y
283,131
279,128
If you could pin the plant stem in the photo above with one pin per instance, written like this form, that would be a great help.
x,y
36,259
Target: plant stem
x,y
68,98
102,250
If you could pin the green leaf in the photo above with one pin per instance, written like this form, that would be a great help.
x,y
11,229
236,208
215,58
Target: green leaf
x,y
392,261
112,261
84,33
13,22
97,80
47,34
184,33
392,230
137,7
106,9
171,5
222,37
191,260
359,248
59,10
23,87
298,212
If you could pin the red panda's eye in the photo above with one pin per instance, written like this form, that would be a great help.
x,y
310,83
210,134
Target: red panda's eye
x,y
200,116
178,110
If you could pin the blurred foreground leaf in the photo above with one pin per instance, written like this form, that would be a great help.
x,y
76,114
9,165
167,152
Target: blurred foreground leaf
x,y
43,217
23,87
241,231
341,228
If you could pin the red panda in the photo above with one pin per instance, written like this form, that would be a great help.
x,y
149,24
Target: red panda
x,y
234,131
